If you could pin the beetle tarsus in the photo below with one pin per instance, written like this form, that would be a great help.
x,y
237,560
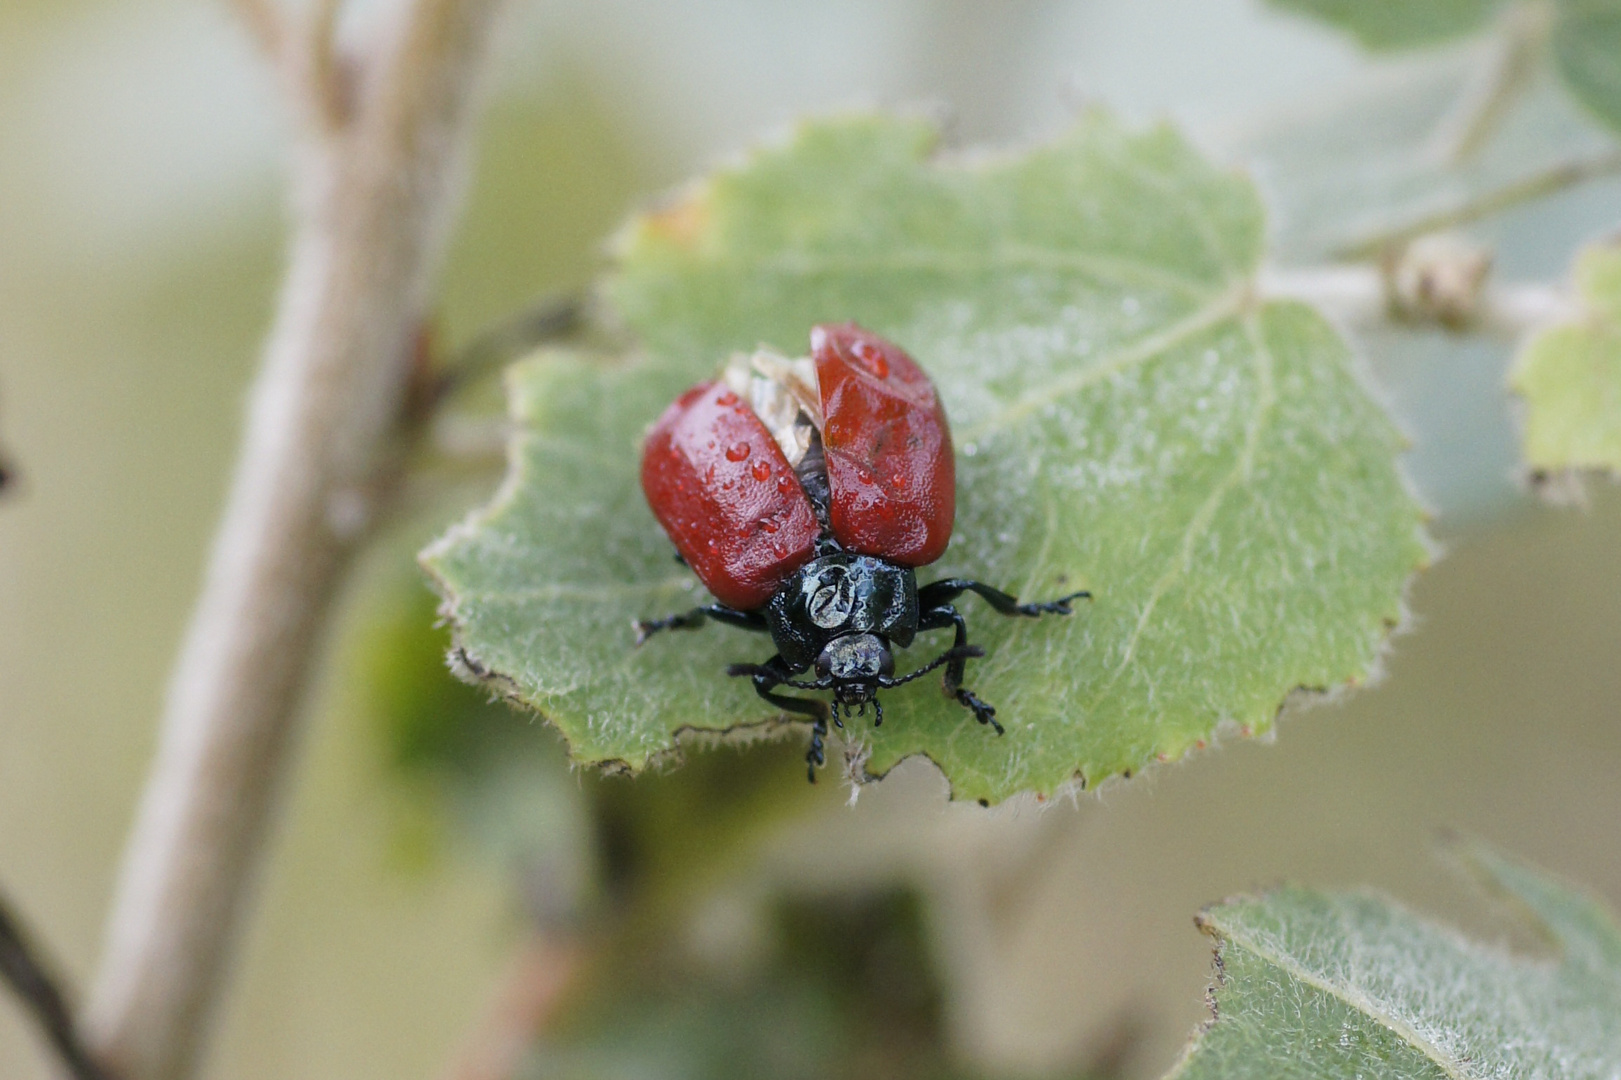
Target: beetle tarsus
x,y
984,713
1061,606
815,756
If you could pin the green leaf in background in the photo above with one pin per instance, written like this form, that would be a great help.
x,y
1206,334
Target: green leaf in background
x,y
1570,377
1587,45
1129,418
1325,986
1399,24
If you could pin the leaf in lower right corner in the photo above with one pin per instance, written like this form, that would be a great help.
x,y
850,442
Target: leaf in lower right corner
x,y
1570,377
1351,985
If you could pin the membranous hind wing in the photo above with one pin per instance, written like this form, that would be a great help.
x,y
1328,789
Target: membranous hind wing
x,y
719,484
888,447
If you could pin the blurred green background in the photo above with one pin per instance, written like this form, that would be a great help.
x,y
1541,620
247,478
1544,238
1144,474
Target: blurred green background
x,y
140,233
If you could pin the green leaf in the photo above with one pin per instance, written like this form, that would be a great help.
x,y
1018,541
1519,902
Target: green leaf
x,y
1399,24
1333,985
1570,377
1587,46
1129,418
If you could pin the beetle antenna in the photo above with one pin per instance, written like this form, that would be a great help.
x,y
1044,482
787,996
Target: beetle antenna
x,y
964,652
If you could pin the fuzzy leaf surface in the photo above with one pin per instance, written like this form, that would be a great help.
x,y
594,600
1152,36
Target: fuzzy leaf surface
x,y
1570,377
1128,418
1331,985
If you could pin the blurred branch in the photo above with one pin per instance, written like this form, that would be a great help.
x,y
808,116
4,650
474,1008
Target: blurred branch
x,y
1361,296
1550,181
30,977
1518,49
263,21
551,319
524,1004
373,198
329,78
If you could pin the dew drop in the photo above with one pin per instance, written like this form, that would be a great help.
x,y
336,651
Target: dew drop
x,y
785,484
737,451
727,399
761,470
970,449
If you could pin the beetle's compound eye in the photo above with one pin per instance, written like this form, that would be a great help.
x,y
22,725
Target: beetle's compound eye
x,y
855,658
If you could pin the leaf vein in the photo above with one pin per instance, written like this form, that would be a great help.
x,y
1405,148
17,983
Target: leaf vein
x,y
1200,522
1139,351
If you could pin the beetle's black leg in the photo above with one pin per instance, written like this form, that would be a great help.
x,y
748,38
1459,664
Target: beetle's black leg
x,y
691,620
938,618
773,673
944,592
814,756
878,713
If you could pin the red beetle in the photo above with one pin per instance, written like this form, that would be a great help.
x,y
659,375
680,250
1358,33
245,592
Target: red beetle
x,y
803,493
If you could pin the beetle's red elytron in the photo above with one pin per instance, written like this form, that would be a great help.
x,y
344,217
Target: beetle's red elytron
x,y
804,493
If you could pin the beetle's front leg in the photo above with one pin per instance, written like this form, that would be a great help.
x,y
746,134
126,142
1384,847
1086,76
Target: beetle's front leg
x,y
938,618
774,672
691,620
944,592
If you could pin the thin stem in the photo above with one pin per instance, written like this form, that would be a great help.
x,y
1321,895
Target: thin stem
x,y
373,202
1539,185
1359,296
1518,51
329,81
523,1009
24,968
551,319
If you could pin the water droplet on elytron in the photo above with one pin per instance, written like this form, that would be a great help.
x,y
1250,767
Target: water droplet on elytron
x,y
785,484
727,399
761,470
872,358
737,451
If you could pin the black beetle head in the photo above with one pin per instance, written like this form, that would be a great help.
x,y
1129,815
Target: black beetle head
x,y
855,663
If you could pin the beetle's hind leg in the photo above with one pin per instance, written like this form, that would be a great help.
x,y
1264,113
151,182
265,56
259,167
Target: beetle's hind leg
x,y
938,618
691,620
773,673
